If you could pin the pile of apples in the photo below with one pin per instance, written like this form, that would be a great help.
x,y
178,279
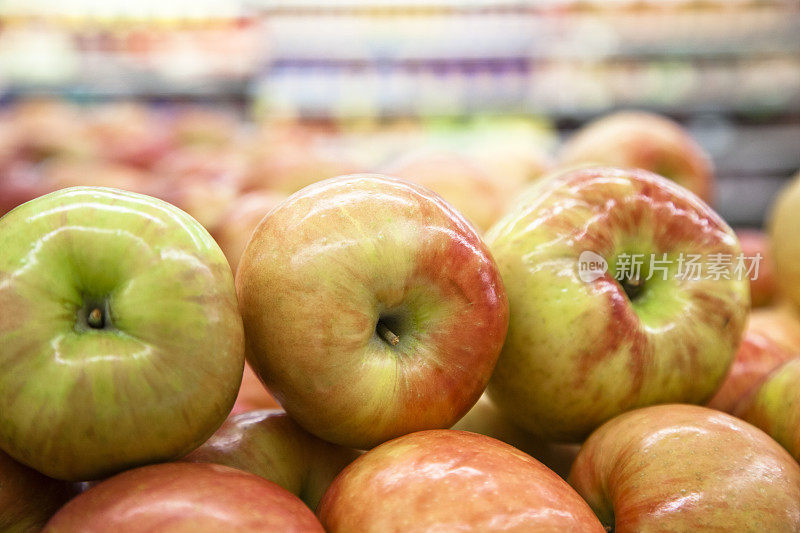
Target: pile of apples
x,y
369,356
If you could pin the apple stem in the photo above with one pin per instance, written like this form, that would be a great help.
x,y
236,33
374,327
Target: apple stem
x,y
386,334
95,318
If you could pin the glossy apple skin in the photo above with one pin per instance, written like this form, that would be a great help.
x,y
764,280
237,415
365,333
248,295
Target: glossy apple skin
x,y
580,352
687,468
763,289
768,342
783,223
325,266
27,498
184,498
447,480
268,443
80,403
486,419
647,141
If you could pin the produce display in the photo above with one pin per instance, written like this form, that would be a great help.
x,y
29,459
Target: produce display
x,y
215,324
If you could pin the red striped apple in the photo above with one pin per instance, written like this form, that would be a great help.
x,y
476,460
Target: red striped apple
x,y
270,444
371,309
646,141
185,497
447,480
687,468
592,334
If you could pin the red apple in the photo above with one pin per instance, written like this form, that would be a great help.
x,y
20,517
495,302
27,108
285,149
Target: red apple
x,y
764,348
486,419
687,468
647,141
238,222
188,497
755,247
372,309
270,444
27,498
446,480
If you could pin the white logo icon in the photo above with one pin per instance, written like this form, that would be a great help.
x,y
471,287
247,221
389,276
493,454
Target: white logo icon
x,y
591,266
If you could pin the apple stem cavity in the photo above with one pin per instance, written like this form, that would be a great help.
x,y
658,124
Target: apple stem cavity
x,y
633,287
96,319
386,334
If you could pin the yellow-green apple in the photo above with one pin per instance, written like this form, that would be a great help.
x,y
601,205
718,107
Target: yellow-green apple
x,y
120,339
238,222
774,405
27,498
783,224
643,140
757,254
764,348
594,331
252,394
371,309
185,497
270,444
687,468
459,180
486,419
448,480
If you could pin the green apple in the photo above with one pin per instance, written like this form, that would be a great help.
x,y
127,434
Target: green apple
x,y
120,339
270,444
784,220
590,335
447,480
687,468
371,309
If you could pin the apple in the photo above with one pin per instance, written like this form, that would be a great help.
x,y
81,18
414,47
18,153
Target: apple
x,y
783,222
755,247
764,347
371,309
196,125
238,222
252,394
585,344
687,468
46,127
635,139
20,182
201,498
60,173
459,180
120,339
447,480
27,498
270,444
486,419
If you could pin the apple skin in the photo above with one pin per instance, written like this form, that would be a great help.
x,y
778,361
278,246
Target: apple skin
x,y
486,419
184,497
580,352
687,468
461,181
447,480
348,255
237,224
27,498
763,289
270,444
252,394
769,341
783,223
635,139
157,379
